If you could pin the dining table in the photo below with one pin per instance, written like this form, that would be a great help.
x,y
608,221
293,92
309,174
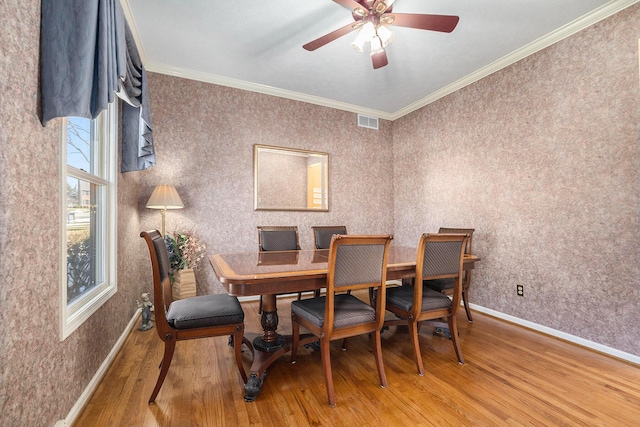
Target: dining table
x,y
269,274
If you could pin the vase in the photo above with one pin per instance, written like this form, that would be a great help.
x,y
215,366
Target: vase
x,y
184,284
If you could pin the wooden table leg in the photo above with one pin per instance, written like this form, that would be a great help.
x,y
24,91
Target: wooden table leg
x,y
269,339
269,346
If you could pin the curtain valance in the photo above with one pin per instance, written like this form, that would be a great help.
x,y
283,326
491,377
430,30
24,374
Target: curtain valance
x,y
88,56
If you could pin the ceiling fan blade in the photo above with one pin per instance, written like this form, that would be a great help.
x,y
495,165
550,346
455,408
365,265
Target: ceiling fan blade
x,y
352,6
327,38
379,60
443,23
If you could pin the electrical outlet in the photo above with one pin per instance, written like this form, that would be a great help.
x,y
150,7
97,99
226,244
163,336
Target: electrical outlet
x,y
520,290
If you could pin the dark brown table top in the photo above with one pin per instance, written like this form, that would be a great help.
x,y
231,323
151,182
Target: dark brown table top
x,y
263,273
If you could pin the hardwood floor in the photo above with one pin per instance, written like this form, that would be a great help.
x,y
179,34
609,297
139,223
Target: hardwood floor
x,y
512,376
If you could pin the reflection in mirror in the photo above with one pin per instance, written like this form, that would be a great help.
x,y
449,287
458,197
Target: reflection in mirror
x,y
290,179
278,258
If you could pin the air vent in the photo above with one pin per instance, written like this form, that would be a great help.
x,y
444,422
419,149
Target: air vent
x,y
367,122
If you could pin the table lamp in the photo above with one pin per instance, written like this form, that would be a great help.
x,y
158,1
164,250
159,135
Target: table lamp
x,y
165,197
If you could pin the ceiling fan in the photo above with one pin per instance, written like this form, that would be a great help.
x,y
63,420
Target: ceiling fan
x,y
372,18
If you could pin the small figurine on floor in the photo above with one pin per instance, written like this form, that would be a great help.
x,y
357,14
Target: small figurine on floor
x,y
147,307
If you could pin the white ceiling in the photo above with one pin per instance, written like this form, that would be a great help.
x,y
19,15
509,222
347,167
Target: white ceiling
x,y
257,45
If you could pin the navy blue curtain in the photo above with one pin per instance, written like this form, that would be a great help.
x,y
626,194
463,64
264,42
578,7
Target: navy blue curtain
x,y
88,56
137,135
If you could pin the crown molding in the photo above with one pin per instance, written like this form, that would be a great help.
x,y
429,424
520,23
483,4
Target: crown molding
x,y
264,89
561,33
603,12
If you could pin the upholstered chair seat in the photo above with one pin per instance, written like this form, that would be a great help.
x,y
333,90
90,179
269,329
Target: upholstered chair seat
x,y
402,297
205,311
348,311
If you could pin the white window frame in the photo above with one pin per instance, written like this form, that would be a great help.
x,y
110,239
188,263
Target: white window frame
x,y
75,314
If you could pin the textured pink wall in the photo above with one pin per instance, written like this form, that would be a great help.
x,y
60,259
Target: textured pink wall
x,y
543,160
41,378
205,135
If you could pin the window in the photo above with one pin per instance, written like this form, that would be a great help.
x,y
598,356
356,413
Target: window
x,y
88,226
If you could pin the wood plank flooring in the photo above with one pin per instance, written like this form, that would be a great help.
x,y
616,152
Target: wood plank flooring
x,y
512,377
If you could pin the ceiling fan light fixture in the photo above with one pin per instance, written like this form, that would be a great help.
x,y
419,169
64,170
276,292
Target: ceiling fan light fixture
x,y
358,44
376,46
386,36
371,19
366,33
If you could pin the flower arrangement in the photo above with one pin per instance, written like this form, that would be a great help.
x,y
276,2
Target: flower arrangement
x,y
185,250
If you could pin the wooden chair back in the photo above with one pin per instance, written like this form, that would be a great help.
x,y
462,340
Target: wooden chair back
x,y
278,238
356,262
160,265
322,234
467,231
466,275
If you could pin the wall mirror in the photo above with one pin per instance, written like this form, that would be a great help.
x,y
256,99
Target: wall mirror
x,y
288,179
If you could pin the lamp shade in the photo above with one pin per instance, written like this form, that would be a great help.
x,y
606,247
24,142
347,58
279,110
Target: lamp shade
x,y
364,36
386,36
165,197
376,46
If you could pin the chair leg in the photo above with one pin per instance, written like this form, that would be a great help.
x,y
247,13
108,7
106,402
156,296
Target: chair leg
x,y
377,352
238,339
453,328
325,351
413,333
465,300
295,339
246,341
169,347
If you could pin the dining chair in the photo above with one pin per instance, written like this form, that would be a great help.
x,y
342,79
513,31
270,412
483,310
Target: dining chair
x,y
446,285
322,234
278,238
190,318
439,256
355,262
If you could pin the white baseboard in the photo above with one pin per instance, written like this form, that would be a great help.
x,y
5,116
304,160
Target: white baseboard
x,y
99,375
559,334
